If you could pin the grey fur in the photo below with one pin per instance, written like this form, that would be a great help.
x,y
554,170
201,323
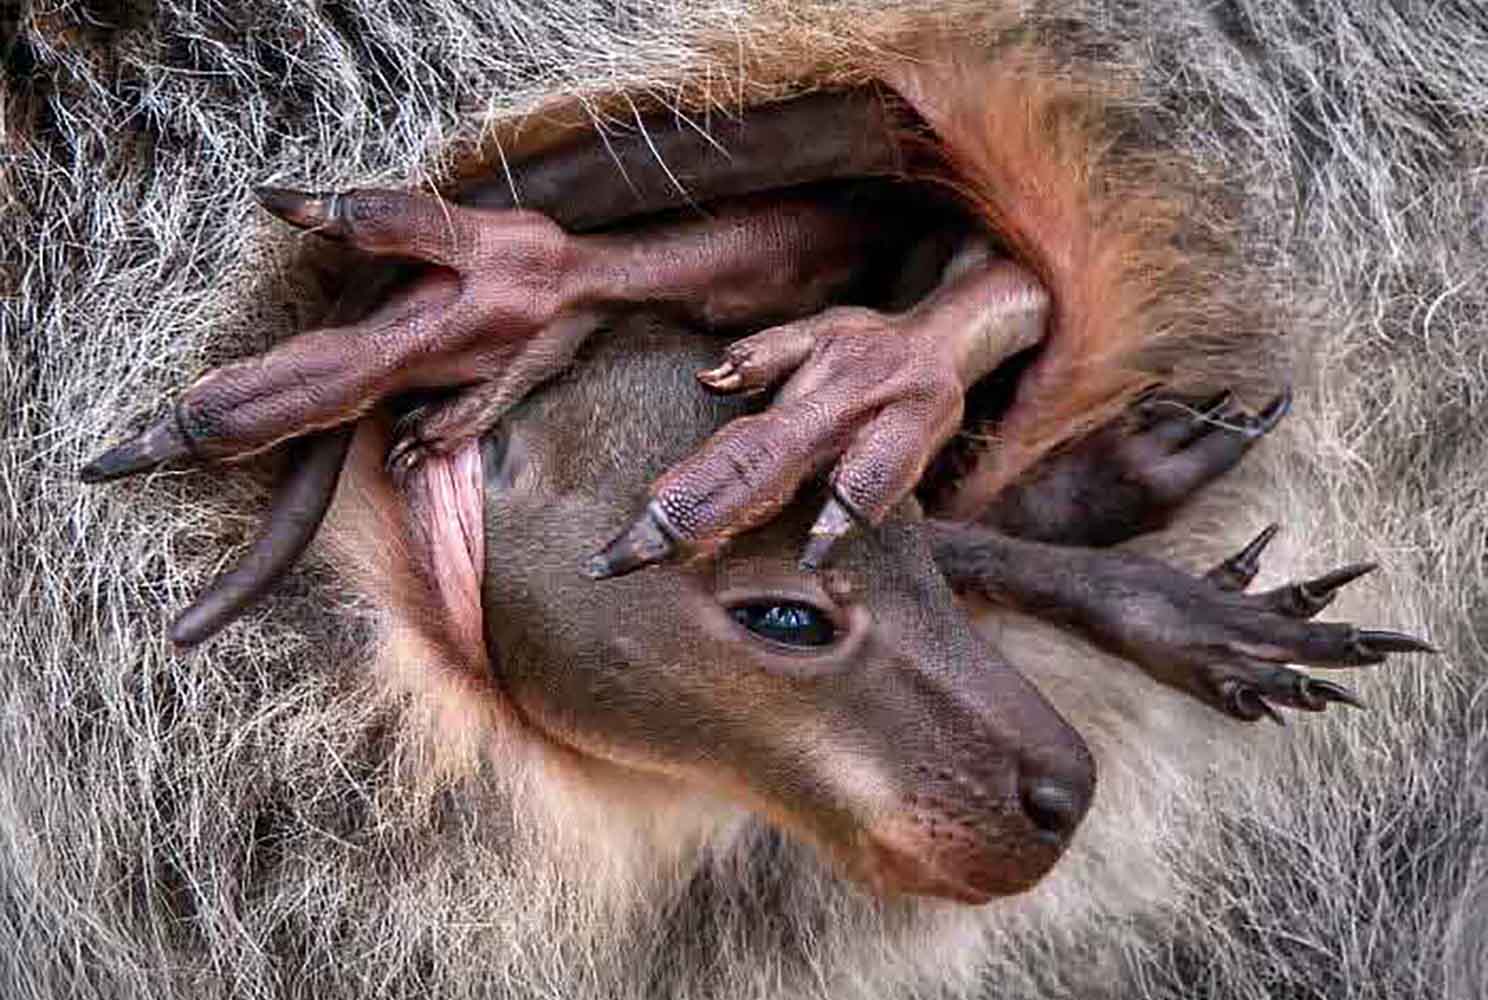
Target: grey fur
x,y
244,822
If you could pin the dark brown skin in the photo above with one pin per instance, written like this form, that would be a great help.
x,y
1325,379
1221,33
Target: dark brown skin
x,y
905,746
1203,635
1126,480
666,162
297,512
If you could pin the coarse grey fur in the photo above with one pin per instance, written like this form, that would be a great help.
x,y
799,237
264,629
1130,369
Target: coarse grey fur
x,y
250,820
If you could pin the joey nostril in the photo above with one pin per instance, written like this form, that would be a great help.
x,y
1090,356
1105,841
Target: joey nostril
x,y
1056,792
1053,807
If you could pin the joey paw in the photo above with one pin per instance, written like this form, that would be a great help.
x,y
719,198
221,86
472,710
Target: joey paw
x,y
1235,645
870,395
1120,481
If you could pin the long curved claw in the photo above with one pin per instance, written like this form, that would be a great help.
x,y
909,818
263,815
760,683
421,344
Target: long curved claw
x,y
1382,641
834,521
1303,600
303,209
1320,693
649,540
1245,702
1236,572
298,509
162,442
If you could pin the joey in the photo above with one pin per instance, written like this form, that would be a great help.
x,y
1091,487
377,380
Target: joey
x,y
857,707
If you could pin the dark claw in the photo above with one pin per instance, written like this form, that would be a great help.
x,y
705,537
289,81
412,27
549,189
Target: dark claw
x,y
1246,703
647,541
303,209
1236,572
1328,583
162,443
1266,421
1382,641
1306,599
299,506
724,378
1320,693
834,521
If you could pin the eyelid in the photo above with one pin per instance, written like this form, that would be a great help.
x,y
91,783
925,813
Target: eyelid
x,y
816,599
852,625
757,617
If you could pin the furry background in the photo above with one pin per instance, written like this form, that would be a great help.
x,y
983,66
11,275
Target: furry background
x,y
250,820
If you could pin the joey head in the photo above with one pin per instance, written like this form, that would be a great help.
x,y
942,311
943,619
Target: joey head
x,y
855,707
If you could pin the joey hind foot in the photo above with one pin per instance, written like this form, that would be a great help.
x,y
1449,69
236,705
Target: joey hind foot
x,y
1203,634
1120,481
324,378
881,391
1234,645
493,286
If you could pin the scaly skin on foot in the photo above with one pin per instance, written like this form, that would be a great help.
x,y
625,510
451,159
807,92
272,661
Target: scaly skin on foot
x,y
884,391
1202,634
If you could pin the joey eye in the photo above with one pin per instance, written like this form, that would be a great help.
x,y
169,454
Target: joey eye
x,y
786,622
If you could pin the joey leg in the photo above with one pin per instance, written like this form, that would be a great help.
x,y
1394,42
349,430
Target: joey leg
x,y
1202,634
1122,480
423,337
882,391
508,293
667,162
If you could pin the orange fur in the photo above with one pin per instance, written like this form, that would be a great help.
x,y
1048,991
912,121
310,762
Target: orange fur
x,y
1025,144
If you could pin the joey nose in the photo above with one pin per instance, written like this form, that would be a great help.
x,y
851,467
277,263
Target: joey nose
x,y
1056,794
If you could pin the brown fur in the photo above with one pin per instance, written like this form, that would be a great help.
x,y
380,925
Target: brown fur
x,y
1028,146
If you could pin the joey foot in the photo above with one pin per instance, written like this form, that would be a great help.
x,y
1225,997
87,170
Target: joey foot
x,y
1202,634
883,391
1120,481
508,299
495,286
